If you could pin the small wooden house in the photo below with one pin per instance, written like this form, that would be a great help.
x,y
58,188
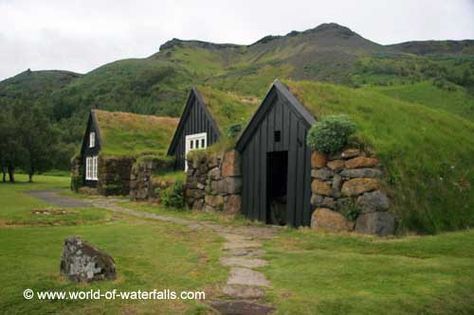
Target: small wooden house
x,y
208,116
276,162
111,143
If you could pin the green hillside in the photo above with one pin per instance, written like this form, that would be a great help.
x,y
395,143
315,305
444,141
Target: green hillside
x,y
427,153
439,75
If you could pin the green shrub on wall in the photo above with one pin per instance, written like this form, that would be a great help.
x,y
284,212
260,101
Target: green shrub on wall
x,y
330,134
173,196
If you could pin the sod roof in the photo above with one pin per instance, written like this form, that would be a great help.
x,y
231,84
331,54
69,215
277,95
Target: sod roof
x,y
127,134
427,153
228,108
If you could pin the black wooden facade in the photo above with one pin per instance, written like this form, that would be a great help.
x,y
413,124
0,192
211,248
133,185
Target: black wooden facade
x,y
195,119
276,160
86,150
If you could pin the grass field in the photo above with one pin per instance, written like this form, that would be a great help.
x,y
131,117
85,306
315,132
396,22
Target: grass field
x,y
310,272
314,273
148,256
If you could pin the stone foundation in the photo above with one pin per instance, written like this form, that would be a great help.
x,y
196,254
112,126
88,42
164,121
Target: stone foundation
x,y
213,182
143,182
347,193
114,175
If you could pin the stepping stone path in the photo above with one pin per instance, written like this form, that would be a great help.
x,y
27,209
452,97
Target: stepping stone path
x,y
243,253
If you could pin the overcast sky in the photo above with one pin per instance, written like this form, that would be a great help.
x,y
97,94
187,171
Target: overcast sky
x,y
82,35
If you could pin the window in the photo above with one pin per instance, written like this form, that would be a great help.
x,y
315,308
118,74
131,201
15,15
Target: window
x,y
91,139
195,141
277,135
91,167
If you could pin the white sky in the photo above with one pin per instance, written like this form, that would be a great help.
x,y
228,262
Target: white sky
x,y
82,35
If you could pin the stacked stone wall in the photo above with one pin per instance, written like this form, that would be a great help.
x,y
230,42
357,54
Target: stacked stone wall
x,y
114,175
214,182
348,193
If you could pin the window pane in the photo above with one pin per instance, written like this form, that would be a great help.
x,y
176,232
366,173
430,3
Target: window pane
x,y
191,146
197,144
202,143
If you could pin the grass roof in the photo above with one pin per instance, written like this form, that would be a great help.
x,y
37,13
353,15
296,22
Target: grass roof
x,y
228,108
427,152
127,134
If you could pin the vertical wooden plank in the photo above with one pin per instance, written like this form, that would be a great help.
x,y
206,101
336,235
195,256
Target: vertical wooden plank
x,y
286,127
263,178
243,206
292,164
307,185
300,175
271,123
278,119
251,179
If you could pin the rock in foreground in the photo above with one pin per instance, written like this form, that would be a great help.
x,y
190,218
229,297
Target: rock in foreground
x,y
81,262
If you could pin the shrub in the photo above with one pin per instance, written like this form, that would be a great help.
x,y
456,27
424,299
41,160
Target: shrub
x,y
330,134
173,196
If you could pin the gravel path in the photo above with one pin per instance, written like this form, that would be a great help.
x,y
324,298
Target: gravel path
x,y
54,198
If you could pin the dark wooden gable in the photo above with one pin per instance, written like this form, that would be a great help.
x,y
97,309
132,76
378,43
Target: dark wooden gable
x,y
196,118
86,150
279,125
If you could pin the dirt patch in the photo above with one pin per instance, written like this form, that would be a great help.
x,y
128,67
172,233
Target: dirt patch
x,y
52,212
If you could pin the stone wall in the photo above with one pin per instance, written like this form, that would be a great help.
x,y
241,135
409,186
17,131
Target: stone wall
x,y
213,182
114,175
143,181
347,193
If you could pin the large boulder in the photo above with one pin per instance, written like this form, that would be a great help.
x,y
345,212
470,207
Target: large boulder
x,y
318,160
81,262
231,164
232,204
328,220
380,223
373,201
361,172
321,188
361,161
359,186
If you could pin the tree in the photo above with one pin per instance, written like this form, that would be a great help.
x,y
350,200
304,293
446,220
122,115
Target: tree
x,y
38,139
10,147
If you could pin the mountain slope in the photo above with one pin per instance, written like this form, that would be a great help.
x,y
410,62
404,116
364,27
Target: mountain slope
x,y
159,84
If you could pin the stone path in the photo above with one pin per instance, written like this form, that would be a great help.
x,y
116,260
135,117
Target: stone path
x,y
54,198
243,252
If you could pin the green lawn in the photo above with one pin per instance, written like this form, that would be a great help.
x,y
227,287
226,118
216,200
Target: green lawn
x,y
316,273
149,255
17,206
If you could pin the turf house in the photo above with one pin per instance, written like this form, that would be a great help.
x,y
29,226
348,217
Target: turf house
x,y
111,143
285,182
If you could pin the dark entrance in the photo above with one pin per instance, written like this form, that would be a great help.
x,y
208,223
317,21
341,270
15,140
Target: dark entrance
x,y
277,180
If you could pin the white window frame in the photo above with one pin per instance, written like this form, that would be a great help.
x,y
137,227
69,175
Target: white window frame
x,y
92,168
194,142
91,139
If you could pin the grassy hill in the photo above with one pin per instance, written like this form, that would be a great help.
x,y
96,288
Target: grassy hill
x,y
427,152
438,75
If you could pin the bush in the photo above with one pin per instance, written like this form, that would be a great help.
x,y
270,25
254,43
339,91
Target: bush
x,y
330,134
173,196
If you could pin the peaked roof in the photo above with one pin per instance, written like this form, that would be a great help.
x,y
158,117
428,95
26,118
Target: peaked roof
x,y
127,134
224,110
277,89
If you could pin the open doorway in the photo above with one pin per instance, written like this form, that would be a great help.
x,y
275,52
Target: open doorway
x,y
277,178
